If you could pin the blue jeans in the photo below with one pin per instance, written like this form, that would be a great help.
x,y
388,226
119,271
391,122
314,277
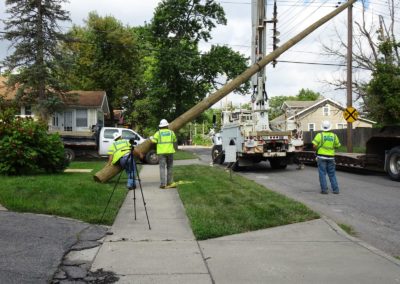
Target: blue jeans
x,y
327,166
129,166
166,164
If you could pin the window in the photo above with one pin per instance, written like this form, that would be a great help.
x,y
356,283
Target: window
x,y
127,134
341,126
311,127
28,110
55,119
326,110
108,133
81,118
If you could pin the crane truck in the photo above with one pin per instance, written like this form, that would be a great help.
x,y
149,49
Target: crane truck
x,y
245,136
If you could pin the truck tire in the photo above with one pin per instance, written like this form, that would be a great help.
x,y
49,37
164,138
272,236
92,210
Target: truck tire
x,y
152,158
278,164
393,164
217,156
69,154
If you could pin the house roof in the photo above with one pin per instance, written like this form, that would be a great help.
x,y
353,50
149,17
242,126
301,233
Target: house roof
x,y
85,98
297,104
6,92
89,99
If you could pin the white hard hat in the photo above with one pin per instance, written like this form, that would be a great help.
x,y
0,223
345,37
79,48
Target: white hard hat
x,y
326,125
116,135
163,123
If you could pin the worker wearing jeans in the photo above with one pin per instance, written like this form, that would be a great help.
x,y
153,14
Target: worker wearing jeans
x,y
165,139
325,144
119,154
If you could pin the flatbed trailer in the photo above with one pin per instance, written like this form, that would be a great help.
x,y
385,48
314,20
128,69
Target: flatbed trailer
x,y
382,154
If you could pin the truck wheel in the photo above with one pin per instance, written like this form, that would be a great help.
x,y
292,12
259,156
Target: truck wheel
x,y
393,164
278,164
152,158
69,154
217,155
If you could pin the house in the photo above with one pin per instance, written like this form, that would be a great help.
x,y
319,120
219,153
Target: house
x,y
308,116
83,111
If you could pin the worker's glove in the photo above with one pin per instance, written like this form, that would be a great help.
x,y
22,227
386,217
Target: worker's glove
x,y
151,137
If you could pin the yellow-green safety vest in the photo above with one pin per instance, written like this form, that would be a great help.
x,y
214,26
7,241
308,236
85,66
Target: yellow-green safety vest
x,y
165,140
326,142
119,149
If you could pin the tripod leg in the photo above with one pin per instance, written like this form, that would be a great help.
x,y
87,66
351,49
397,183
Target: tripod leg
x,y
109,199
134,201
141,190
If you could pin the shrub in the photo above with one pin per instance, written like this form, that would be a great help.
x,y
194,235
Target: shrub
x,y
26,147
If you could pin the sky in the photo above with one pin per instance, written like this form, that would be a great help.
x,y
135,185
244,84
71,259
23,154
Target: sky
x,y
293,16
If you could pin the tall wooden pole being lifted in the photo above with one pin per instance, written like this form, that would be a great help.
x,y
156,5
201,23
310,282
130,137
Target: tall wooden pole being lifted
x,y
110,171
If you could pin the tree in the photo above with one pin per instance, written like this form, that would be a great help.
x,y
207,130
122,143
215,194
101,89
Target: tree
x,y
383,91
182,74
33,31
370,55
307,95
105,56
275,103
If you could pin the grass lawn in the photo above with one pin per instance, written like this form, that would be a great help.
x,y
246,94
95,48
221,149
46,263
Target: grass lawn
x,y
184,155
73,195
218,206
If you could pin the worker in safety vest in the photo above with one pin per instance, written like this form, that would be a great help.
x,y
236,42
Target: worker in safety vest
x,y
325,144
165,139
119,154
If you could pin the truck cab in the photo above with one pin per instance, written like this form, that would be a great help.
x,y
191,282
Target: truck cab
x,y
106,138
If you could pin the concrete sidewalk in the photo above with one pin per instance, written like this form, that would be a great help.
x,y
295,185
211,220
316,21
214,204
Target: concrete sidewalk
x,y
311,252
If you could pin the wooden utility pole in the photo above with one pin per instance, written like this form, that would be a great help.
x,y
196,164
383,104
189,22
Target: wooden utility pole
x,y
110,171
350,74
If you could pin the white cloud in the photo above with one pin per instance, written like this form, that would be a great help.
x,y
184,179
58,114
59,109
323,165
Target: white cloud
x,y
285,79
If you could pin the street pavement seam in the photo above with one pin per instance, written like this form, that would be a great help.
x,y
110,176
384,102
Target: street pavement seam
x,y
205,262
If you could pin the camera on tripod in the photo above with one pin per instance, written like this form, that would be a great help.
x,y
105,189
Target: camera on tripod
x,y
133,142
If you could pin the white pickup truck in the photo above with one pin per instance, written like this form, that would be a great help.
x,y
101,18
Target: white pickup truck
x,y
96,144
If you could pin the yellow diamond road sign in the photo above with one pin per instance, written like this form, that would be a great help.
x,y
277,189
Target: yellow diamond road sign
x,y
350,114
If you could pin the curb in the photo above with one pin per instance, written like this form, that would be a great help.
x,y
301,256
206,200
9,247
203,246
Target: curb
x,y
358,241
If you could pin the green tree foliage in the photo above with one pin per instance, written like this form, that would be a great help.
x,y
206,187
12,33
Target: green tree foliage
x,y
182,75
33,30
383,91
26,147
105,56
275,103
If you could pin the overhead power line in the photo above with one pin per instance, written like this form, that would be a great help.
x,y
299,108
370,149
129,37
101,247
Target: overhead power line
x,y
319,63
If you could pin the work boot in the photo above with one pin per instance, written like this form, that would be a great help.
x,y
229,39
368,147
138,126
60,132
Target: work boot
x,y
162,186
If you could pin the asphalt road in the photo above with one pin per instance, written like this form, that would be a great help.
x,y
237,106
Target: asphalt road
x,y
33,245
369,203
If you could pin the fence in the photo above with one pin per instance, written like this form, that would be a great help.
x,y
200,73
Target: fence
x,y
360,135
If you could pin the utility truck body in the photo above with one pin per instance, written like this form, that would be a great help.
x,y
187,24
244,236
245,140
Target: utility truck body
x,y
241,142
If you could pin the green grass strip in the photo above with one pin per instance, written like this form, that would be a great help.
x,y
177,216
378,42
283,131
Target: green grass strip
x,y
184,155
218,205
73,195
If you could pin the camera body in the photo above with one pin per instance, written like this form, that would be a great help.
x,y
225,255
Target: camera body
x,y
133,142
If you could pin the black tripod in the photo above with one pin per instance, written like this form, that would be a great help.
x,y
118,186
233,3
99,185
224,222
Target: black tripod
x,y
132,165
